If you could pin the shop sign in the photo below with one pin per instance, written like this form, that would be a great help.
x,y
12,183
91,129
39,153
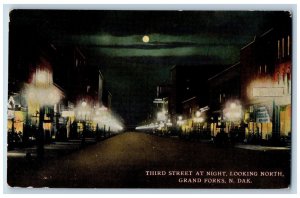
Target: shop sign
x,y
268,91
67,114
262,115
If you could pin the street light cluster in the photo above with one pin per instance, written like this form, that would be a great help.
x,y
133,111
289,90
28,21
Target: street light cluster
x,y
41,91
194,124
180,122
42,94
162,121
198,118
105,118
148,126
96,115
83,111
233,111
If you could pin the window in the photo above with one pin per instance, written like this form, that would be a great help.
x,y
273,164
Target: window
x,y
260,69
265,68
76,62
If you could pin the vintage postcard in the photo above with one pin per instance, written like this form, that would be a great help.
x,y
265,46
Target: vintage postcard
x,y
149,99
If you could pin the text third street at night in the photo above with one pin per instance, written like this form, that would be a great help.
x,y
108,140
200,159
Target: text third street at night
x,y
214,173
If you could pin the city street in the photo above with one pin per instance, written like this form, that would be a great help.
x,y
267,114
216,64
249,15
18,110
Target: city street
x,y
149,99
139,160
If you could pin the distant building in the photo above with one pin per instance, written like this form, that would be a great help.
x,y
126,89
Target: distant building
x,y
188,82
161,102
189,109
224,87
106,98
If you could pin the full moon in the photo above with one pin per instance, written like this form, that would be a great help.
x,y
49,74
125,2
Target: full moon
x,y
146,39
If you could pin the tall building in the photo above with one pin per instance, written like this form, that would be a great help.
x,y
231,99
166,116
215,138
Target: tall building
x,y
266,82
32,60
259,85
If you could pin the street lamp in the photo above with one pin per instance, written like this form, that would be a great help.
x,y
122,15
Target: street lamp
x,y
40,93
180,118
107,120
233,112
169,123
83,104
198,120
83,112
179,122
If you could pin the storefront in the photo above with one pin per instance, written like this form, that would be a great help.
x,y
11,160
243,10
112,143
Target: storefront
x,y
268,112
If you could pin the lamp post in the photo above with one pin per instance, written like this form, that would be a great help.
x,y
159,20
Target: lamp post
x,y
82,113
41,93
201,120
179,124
232,113
179,121
101,118
197,120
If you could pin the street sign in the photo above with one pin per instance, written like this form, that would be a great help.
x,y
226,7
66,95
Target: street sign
x,y
206,108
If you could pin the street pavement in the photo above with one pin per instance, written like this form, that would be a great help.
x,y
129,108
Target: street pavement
x,y
138,160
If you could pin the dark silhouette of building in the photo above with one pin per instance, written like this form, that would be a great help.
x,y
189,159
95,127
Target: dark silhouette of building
x,y
188,82
224,87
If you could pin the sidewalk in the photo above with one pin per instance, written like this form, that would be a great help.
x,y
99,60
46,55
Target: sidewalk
x,y
51,150
262,148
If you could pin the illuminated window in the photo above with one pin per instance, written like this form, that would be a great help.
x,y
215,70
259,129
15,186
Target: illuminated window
x,y
260,69
265,68
76,62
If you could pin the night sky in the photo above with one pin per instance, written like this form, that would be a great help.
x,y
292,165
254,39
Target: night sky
x,y
112,41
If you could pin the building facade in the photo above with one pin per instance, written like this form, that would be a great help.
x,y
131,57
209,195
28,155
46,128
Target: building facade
x,y
266,84
253,97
